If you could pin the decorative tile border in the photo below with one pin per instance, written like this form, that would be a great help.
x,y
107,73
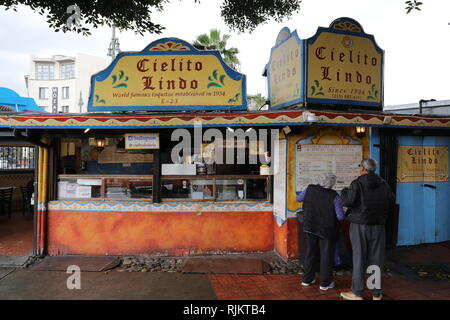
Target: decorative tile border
x,y
112,121
179,207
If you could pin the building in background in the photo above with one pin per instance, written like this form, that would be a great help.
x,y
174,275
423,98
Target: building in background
x,y
428,107
61,83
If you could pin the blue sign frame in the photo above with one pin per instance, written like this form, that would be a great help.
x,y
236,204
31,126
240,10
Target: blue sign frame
x,y
284,35
104,74
371,105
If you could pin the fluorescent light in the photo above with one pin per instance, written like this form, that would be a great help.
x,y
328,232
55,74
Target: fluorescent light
x,y
87,130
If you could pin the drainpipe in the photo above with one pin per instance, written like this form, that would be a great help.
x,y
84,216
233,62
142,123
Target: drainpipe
x,y
421,101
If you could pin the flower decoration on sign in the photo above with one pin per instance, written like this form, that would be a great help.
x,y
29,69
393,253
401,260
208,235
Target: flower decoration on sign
x,y
216,81
317,89
346,25
98,100
119,77
373,93
234,99
169,46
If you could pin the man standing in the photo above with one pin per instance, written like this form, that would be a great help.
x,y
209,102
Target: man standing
x,y
322,209
369,199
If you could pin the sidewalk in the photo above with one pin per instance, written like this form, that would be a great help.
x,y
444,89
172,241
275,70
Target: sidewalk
x,y
415,273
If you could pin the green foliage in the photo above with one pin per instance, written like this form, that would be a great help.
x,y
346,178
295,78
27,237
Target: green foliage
x,y
246,15
412,5
258,99
124,14
215,41
135,15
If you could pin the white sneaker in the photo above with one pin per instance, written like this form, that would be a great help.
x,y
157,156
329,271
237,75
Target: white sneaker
x,y
307,284
330,286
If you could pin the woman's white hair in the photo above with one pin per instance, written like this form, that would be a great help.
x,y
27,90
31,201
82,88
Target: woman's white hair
x,y
327,180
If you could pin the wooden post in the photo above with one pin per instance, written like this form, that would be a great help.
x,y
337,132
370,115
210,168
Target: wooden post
x,y
156,176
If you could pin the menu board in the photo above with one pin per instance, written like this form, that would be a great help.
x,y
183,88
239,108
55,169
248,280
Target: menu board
x,y
73,190
109,155
311,160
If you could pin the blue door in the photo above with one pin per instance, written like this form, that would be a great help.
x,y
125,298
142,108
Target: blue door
x,y
424,206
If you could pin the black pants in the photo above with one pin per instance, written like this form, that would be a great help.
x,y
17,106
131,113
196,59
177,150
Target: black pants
x,y
319,257
368,243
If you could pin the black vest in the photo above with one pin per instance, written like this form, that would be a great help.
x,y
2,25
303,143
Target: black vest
x,y
319,214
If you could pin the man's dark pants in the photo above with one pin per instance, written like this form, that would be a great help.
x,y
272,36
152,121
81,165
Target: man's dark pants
x,y
319,256
368,244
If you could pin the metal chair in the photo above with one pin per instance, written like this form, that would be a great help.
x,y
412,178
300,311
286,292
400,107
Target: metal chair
x,y
5,200
27,193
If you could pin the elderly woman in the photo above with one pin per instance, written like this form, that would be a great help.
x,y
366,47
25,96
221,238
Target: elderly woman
x,y
322,210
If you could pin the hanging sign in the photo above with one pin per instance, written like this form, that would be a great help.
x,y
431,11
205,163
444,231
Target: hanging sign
x,y
344,66
55,100
422,164
142,141
168,75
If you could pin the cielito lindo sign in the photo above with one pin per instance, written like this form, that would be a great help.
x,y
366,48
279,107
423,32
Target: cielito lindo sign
x,y
285,70
339,65
344,66
168,75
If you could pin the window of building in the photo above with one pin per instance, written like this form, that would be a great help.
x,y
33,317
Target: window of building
x,y
65,92
65,109
67,71
12,158
45,71
112,171
43,93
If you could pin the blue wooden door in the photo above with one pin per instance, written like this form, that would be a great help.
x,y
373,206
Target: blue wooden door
x,y
438,200
424,206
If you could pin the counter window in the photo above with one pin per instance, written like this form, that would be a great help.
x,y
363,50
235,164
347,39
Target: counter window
x,y
121,167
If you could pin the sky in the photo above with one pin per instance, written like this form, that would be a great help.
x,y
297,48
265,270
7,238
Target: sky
x,y
416,45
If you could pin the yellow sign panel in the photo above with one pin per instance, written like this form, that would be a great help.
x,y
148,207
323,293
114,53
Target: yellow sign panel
x,y
422,164
344,67
285,70
168,75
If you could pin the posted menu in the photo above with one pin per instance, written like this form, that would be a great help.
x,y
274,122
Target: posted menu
x,y
311,160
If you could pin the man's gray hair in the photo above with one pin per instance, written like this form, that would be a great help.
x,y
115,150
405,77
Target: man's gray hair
x,y
327,180
369,164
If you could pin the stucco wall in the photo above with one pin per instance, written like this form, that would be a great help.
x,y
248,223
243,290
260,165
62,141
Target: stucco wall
x,y
113,228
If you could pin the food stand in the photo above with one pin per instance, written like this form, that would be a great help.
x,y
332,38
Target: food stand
x,y
155,167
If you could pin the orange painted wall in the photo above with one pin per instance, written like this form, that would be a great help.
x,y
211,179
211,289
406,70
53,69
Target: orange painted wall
x,y
286,240
280,235
167,233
